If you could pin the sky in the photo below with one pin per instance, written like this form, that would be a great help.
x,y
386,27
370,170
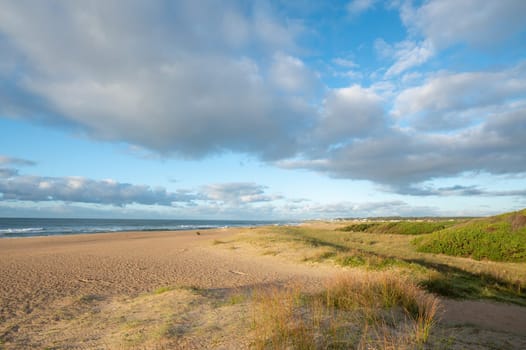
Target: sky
x,y
264,110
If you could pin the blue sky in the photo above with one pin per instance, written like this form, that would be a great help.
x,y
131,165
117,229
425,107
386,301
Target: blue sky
x,y
262,109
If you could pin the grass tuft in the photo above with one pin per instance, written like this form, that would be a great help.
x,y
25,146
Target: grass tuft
x,y
358,310
163,289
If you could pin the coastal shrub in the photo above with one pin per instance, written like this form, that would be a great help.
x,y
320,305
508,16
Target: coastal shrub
x,y
361,227
500,238
399,227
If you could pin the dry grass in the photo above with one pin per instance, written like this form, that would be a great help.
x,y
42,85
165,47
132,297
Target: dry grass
x,y
455,277
167,318
355,310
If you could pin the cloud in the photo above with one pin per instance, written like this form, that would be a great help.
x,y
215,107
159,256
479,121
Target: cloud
x,y
238,193
8,172
460,190
345,62
357,7
439,24
5,160
398,158
72,192
345,68
83,190
348,113
408,54
290,74
176,78
449,100
363,209
195,78
477,23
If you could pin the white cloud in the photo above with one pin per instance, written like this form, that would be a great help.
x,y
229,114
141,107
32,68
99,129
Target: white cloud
x,y
192,78
399,158
443,23
279,36
167,77
348,113
74,189
236,28
346,68
479,23
290,74
362,209
356,7
409,54
454,99
345,62
84,190
238,193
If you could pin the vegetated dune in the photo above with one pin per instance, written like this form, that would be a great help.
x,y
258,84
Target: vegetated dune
x,y
401,227
497,238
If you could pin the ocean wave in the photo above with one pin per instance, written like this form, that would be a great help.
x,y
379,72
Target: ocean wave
x,y
13,231
25,227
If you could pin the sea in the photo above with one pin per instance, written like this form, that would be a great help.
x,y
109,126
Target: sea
x,y
28,227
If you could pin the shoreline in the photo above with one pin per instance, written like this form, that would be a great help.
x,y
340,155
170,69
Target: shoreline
x,y
82,234
41,232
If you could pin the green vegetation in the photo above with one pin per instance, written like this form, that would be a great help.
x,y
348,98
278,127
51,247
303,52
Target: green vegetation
x,y
163,289
368,261
400,227
498,238
451,277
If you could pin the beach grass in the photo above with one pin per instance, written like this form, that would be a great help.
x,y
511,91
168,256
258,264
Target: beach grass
x,y
455,277
358,310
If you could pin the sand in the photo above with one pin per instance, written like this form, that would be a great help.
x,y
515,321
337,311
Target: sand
x,y
38,274
35,271
41,275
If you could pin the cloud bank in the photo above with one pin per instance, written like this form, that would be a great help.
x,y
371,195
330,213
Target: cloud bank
x,y
82,190
192,79
76,189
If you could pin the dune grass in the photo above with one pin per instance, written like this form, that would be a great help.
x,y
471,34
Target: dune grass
x,y
367,310
499,238
446,276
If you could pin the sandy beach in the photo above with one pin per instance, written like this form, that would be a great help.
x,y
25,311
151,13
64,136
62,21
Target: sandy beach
x,y
40,275
114,290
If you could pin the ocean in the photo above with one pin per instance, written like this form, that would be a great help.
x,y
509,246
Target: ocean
x,y
27,227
